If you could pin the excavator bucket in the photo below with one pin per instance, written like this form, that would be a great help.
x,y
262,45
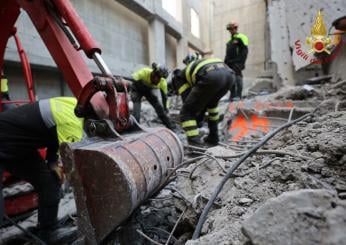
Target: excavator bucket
x,y
111,177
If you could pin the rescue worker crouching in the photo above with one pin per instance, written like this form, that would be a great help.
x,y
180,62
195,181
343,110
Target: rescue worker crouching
x,y
201,84
24,130
145,81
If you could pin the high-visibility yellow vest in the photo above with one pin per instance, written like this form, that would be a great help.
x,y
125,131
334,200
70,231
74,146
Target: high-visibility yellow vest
x,y
144,75
242,37
193,68
69,127
4,85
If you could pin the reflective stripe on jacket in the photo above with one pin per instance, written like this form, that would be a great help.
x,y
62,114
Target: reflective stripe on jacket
x,y
69,127
194,67
144,75
4,85
242,37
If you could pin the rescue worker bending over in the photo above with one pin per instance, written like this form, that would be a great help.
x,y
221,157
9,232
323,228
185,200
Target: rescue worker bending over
x,y
24,130
236,54
145,81
201,84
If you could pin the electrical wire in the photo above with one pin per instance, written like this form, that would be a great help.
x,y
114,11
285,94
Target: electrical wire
x,y
219,187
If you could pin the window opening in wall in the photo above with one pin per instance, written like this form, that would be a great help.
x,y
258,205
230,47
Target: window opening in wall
x,y
171,6
195,26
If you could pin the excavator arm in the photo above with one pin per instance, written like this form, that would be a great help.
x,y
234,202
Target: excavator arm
x,y
120,164
64,35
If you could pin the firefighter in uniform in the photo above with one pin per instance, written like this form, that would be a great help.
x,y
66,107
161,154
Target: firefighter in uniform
x,y
236,54
201,84
145,81
24,130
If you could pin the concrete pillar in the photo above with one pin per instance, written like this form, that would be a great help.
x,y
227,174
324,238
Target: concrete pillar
x,y
182,50
157,45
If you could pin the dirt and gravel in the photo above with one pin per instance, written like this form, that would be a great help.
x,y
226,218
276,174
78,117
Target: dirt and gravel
x,y
292,191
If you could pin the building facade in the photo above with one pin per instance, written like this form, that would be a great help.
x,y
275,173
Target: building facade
x,y
131,33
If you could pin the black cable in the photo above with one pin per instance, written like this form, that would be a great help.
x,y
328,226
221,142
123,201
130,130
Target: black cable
x,y
219,187
37,239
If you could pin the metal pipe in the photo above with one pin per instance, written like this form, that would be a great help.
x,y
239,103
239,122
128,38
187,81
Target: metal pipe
x,y
101,64
78,28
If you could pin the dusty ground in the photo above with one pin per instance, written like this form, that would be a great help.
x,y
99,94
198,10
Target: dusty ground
x,y
309,156
292,191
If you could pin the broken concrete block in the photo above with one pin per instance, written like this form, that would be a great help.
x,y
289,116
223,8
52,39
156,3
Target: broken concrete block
x,y
299,217
262,87
245,201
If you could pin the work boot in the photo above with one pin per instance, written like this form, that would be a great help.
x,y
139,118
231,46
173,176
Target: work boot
x,y
211,140
213,136
57,236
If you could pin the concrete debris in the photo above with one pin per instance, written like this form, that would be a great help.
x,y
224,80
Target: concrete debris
x,y
262,86
316,80
311,172
67,209
298,178
245,201
299,217
321,138
300,93
315,160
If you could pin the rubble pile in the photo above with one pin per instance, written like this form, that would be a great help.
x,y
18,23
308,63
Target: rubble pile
x,y
310,155
299,217
292,191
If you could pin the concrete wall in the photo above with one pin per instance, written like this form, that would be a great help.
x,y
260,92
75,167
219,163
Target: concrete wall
x,y
131,33
171,51
48,82
290,21
202,44
251,16
121,34
337,66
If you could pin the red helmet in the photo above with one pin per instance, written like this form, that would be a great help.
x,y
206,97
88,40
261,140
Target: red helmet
x,y
232,25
